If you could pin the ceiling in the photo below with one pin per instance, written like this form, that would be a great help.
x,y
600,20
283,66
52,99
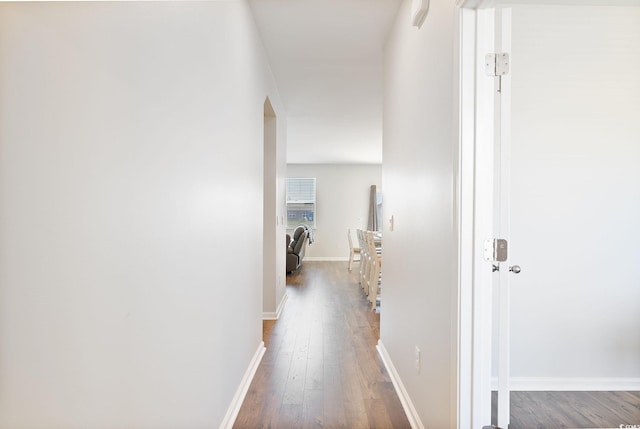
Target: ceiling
x,y
326,57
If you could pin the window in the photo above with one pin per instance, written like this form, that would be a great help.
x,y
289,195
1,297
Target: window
x,y
301,201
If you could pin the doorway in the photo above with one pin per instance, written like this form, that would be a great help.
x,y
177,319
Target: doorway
x,y
273,264
566,190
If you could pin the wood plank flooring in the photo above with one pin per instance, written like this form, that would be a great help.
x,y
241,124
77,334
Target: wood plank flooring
x,y
321,368
564,410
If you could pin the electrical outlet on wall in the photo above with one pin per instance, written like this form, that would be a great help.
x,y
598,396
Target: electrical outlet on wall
x,y
417,358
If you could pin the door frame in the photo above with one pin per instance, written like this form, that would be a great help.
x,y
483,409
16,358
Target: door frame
x,y
475,215
503,189
485,140
475,196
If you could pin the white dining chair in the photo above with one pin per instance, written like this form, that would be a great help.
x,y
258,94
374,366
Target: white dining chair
x,y
364,260
353,251
375,269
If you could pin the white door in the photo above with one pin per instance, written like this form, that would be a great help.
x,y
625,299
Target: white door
x,y
567,194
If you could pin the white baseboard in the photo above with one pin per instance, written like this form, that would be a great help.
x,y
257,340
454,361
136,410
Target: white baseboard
x,y
326,259
270,315
409,409
238,398
571,384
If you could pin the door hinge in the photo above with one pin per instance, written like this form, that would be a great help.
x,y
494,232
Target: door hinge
x,y
496,64
495,250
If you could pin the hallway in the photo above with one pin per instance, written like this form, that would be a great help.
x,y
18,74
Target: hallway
x,y
321,367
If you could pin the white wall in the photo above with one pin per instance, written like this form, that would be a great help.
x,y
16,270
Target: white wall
x,y
419,152
576,195
342,195
130,212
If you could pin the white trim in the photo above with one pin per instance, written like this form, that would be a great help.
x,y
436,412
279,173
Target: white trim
x,y
275,315
238,398
483,222
326,259
405,400
502,167
572,384
465,204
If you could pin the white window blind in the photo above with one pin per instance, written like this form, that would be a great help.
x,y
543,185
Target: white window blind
x,y
301,201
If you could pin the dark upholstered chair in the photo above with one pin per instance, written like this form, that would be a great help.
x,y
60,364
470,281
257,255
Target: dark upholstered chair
x,y
296,247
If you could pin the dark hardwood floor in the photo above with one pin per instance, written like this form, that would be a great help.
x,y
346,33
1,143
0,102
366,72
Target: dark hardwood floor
x,y
321,368
573,410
